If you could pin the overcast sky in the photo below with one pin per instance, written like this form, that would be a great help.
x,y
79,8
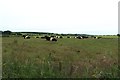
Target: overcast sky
x,y
60,16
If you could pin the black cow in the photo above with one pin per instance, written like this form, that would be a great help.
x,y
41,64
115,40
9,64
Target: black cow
x,y
61,37
24,36
52,36
47,38
84,37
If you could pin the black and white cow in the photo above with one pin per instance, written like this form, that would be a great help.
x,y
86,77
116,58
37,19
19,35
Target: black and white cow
x,y
47,38
53,39
97,37
50,38
57,36
75,37
26,37
79,37
68,37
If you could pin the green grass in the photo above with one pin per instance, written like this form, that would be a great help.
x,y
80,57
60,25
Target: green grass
x,y
80,58
110,36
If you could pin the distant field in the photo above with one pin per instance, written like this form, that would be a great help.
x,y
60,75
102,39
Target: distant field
x,y
66,58
109,36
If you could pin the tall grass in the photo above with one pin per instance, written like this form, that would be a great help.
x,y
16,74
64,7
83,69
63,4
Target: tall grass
x,y
67,58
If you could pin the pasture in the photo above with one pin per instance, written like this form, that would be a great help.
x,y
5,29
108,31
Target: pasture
x,y
66,58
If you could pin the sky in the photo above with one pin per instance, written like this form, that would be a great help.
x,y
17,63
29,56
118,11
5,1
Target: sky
x,y
60,16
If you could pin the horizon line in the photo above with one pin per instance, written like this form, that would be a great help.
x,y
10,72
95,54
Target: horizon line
x,y
58,32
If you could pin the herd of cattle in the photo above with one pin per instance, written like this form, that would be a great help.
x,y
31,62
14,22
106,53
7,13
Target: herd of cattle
x,y
54,38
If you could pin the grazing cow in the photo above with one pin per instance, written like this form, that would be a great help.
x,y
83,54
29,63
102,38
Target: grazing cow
x,y
47,38
84,37
24,36
57,36
79,37
75,37
53,39
43,37
50,38
61,37
27,37
37,37
68,37
97,37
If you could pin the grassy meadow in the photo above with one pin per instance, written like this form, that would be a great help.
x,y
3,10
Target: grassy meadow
x,y
66,58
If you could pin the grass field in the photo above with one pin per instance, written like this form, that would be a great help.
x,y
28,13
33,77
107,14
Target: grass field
x,y
66,58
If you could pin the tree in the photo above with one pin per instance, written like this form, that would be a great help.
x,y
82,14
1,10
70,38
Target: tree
x,y
18,33
7,32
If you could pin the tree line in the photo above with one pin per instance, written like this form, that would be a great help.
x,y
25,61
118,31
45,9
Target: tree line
x,y
8,33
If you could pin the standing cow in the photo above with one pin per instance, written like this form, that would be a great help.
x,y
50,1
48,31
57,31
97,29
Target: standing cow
x,y
50,38
26,37
84,37
79,37
61,37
